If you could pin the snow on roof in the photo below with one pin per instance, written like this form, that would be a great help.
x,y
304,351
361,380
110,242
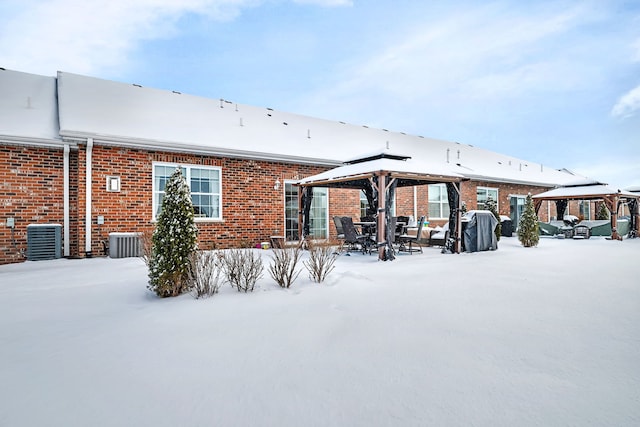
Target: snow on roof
x,y
28,108
633,189
583,182
407,167
127,114
589,191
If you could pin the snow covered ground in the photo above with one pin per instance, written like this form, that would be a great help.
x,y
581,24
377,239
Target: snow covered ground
x,y
546,336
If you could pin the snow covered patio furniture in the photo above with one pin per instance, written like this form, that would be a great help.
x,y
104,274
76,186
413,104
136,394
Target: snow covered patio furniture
x,y
581,231
406,241
439,235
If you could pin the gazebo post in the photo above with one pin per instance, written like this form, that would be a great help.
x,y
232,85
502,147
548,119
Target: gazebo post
x,y
612,205
380,229
458,245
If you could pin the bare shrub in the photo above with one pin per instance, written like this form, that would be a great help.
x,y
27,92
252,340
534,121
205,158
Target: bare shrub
x,y
283,268
146,244
205,274
242,268
322,256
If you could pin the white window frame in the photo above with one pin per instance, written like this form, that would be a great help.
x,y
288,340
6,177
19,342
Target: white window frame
x,y
444,201
325,207
487,189
187,169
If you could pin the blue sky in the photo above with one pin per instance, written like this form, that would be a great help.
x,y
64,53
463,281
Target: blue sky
x,y
555,82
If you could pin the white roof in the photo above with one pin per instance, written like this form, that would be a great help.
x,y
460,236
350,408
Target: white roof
x,y
406,168
583,191
126,114
28,108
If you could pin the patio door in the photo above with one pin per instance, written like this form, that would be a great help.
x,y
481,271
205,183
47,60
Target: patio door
x,y
516,208
318,214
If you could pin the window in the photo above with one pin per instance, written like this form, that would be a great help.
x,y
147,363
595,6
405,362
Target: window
x,y
438,201
364,204
585,209
484,194
318,213
203,181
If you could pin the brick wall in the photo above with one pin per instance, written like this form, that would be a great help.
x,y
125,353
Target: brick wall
x,y
252,209
30,192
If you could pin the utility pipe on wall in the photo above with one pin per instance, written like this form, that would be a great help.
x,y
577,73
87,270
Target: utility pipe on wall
x,y
87,225
65,202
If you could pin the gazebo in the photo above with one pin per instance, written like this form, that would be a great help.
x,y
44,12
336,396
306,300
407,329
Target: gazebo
x,y
592,190
378,175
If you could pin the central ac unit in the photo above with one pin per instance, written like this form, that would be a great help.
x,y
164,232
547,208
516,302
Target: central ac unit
x,y
44,241
124,245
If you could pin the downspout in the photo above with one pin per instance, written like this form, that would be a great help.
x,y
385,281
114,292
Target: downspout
x,y
87,220
65,202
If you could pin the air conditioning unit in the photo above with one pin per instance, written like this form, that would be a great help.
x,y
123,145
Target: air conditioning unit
x,y
124,245
44,241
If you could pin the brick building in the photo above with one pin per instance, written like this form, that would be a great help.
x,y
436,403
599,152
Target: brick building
x,y
93,156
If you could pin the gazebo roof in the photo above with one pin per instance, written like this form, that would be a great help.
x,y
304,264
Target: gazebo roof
x,y
584,190
406,170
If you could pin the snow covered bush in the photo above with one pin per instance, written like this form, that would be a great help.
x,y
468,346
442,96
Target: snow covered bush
x,y
174,240
283,266
528,226
492,207
321,260
242,268
205,273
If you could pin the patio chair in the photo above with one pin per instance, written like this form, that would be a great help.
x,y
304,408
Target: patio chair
x,y
353,238
438,237
406,241
337,221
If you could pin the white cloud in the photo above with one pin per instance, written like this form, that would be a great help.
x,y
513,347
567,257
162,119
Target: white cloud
x,y
486,54
82,36
628,104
